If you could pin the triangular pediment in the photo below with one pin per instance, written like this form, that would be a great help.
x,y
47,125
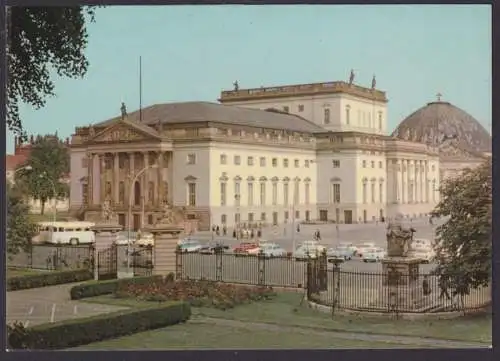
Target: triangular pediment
x,y
125,131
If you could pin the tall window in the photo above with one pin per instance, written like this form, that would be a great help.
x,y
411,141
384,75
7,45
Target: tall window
x,y
286,109
296,193
379,120
223,194
335,197
223,159
192,194
381,192
191,158
285,194
237,193
250,161
250,194
263,194
237,160
373,192
336,163
347,114
326,119
85,193
364,192
262,161
306,191
285,163
275,193
275,162
296,163
410,192
301,108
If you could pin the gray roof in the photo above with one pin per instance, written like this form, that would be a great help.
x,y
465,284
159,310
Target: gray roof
x,y
190,112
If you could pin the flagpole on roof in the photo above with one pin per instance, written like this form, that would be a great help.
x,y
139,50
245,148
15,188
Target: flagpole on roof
x,y
140,88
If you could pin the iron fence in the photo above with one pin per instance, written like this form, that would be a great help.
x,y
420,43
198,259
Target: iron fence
x,y
52,257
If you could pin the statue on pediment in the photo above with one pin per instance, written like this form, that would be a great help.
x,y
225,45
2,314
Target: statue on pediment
x,y
351,77
236,86
123,110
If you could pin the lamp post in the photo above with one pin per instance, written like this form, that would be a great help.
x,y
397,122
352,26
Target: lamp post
x,y
130,208
237,200
44,175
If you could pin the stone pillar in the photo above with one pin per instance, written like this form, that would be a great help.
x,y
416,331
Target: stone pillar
x,y
404,185
159,182
131,174
90,179
116,177
95,179
145,181
105,236
166,238
102,186
422,180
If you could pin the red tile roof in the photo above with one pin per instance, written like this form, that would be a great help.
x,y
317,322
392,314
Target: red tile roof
x,y
12,161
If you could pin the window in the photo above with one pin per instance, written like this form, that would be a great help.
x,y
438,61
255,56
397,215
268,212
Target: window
x,y
223,219
85,193
85,162
237,218
250,194
306,191
373,192
301,107
237,160
380,165
223,194
262,161
306,163
285,194
433,167
286,216
335,196
275,162
379,120
223,159
263,216
192,194
373,164
191,159
364,164
237,194
369,119
296,163
297,214
263,194
275,194
347,114
250,217
151,192
250,161
285,163
364,192
336,163
326,119
286,109
150,219
296,193
381,192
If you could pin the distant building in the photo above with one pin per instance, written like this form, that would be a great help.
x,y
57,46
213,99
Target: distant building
x,y
17,160
313,151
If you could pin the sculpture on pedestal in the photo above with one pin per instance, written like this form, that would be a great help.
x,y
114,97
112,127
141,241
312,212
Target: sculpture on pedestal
x,y
171,215
399,240
107,213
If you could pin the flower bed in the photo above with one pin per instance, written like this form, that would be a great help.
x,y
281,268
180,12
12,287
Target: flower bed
x,y
197,293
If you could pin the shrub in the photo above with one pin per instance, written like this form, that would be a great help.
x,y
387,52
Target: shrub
x,y
197,293
47,279
83,331
98,288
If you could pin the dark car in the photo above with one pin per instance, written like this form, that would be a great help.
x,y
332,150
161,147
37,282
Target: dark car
x,y
211,248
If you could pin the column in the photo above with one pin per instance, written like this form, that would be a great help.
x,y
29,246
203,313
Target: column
x,y
90,178
403,181
400,182
131,172
145,178
116,178
408,180
422,170
426,165
159,183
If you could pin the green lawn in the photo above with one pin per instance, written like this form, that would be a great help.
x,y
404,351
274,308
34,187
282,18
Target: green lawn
x,y
285,310
205,336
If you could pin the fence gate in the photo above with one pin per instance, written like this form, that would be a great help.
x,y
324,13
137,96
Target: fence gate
x,y
142,261
107,263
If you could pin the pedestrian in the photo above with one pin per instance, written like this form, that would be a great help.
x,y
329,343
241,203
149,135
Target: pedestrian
x,y
425,286
298,228
251,234
259,233
224,230
217,229
318,235
444,285
234,233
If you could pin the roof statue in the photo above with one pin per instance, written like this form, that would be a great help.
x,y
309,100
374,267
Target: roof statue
x,y
351,77
236,85
438,96
91,131
123,110
374,82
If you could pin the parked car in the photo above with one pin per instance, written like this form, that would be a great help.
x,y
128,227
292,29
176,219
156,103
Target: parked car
x,y
340,252
373,254
244,247
145,239
421,243
308,249
348,245
190,247
362,247
273,250
210,248
124,238
426,255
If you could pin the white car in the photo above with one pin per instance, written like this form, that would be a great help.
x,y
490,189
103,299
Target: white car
x,y
123,238
425,255
420,242
308,250
348,245
273,250
145,239
190,247
363,247
373,255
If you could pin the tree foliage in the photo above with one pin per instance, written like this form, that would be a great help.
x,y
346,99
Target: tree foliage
x,y
42,40
464,241
20,229
48,164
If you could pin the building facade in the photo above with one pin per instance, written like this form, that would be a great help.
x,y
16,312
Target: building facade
x,y
267,155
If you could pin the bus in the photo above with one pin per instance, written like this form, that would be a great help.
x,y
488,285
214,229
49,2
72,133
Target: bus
x,y
73,233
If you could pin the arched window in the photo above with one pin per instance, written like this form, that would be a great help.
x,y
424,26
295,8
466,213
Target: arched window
x,y
326,119
137,193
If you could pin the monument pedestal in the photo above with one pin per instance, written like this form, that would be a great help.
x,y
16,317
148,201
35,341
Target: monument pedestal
x,y
105,258
401,289
164,257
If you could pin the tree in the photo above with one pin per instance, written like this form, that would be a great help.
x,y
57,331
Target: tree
x,y
45,170
40,40
464,241
20,229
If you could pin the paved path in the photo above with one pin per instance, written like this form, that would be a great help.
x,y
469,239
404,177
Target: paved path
x,y
310,331
49,304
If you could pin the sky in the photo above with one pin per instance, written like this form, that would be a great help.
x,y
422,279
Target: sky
x,y
191,53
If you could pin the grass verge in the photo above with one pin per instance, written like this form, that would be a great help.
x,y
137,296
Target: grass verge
x,y
285,310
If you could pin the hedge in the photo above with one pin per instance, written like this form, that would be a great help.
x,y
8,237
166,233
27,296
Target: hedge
x,y
98,288
77,332
47,279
